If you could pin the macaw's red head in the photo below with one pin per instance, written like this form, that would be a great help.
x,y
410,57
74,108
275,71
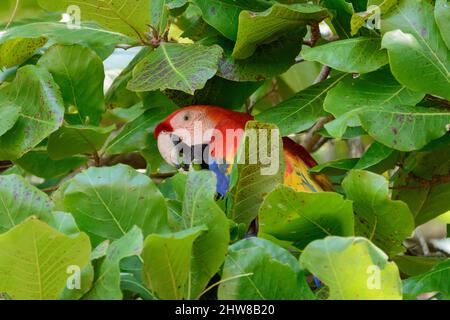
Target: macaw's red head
x,y
193,129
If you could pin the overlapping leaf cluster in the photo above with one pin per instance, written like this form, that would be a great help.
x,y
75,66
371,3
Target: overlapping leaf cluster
x,y
78,221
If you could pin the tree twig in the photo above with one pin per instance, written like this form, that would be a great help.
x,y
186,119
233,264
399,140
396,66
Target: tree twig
x,y
443,102
323,75
312,138
97,159
423,183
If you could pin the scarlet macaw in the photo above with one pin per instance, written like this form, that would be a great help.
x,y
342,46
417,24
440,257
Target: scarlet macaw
x,y
181,127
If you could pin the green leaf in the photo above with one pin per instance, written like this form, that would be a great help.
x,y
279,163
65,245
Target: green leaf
x,y
358,55
404,128
300,112
434,202
269,60
88,35
79,73
167,261
435,280
40,164
108,202
41,111
9,111
16,51
34,260
135,135
118,96
416,265
256,28
217,92
353,269
106,285
418,56
336,167
342,12
129,283
442,16
174,188
304,217
19,201
209,250
252,180
128,17
376,153
65,223
254,267
376,89
223,15
425,201
385,222
71,140
374,9
170,67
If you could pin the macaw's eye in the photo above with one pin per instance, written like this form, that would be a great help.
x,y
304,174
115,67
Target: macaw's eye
x,y
186,118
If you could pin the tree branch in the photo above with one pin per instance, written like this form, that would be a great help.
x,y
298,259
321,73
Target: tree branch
x,y
422,183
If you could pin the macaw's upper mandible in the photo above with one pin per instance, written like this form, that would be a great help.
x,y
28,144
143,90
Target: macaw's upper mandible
x,y
212,136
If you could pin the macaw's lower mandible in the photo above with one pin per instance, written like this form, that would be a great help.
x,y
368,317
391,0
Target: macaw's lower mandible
x,y
199,129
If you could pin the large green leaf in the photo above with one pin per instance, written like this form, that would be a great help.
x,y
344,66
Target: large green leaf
x,y
34,260
19,200
304,217
300,112
209,250
170,67
353,269
442,15
418,56
256,28
41,110
109,202
404,128
71,140
358,55
106,284
223,15
376,89
252,180
39,163
385,222
167,261
128,17
435,280
80,75
257,269
14,52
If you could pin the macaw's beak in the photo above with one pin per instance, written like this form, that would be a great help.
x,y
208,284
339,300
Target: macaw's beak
x,y
180,155
171,148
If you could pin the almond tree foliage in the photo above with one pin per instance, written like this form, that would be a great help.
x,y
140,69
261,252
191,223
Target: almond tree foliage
x,y
366,90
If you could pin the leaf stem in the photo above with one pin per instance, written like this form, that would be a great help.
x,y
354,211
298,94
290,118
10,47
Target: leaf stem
x,y
222,281
13,15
